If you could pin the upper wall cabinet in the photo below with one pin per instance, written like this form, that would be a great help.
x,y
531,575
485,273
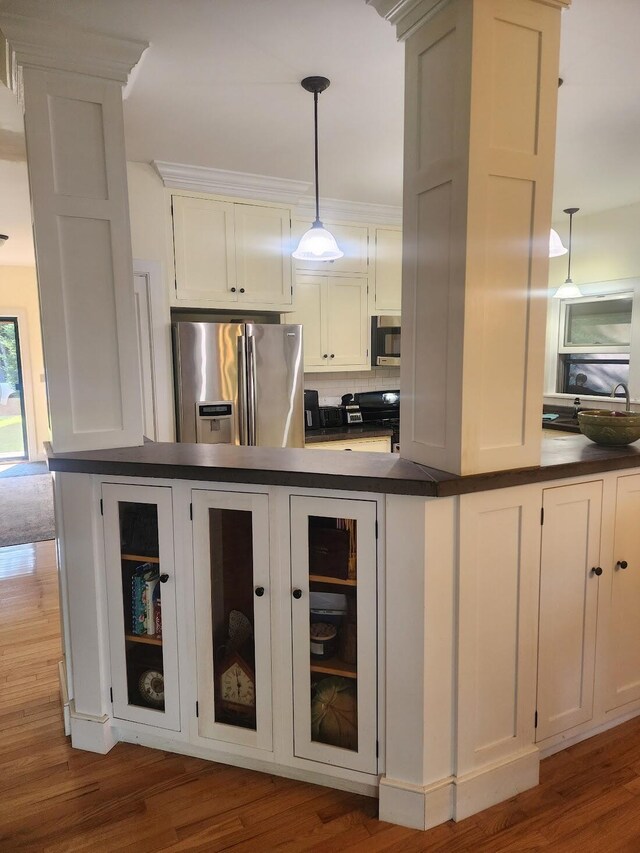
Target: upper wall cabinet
x,y
229,254
353,240
387,258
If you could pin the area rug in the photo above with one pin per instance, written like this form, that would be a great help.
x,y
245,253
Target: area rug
x,y
24,469
26,509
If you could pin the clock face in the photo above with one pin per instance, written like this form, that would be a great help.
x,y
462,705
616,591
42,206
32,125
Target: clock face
x,y
237,686
151,687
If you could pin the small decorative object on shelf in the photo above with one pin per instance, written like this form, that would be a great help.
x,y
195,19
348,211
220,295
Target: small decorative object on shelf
x,y
324,640
145,601
334,712
237,688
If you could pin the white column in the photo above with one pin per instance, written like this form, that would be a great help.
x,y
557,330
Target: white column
x,y
480,106
70,84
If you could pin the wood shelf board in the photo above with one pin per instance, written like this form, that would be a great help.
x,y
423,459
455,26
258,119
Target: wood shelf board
x,y
147,639
334,666
135,558
334,581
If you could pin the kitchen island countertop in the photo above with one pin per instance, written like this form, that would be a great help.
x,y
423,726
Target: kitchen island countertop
x,y
561,457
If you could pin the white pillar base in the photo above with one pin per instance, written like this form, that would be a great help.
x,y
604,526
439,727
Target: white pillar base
x,y
94,734
487,786
415,806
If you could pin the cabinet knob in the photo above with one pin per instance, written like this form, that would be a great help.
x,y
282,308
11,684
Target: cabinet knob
x,y
242,290
325,355
596,571
233,290
297,593
259,591
622,564
333,355
164,578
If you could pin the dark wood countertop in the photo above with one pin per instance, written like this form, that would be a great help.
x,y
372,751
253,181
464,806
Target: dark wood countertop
x,y
562,457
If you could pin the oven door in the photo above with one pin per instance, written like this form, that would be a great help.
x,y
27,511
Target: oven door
x,y
385,341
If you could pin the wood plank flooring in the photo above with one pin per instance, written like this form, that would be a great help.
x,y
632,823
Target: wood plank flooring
x,y
56,799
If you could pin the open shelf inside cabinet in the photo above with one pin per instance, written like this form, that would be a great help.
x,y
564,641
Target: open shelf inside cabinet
x,y
136,558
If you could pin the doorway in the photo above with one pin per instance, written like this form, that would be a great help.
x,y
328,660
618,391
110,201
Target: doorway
x,y
13,433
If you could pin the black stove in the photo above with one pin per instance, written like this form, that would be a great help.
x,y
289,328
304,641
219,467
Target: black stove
x,y
380,408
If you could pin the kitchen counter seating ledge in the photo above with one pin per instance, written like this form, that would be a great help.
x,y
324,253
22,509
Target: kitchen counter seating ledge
x,y
570,456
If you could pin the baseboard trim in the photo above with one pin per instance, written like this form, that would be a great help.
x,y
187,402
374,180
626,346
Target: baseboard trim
x,y
93,734
487,786
415,806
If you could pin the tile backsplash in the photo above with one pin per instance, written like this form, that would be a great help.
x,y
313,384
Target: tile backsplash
x,y
331,386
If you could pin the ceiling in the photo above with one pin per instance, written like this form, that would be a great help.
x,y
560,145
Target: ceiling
x,y
219,87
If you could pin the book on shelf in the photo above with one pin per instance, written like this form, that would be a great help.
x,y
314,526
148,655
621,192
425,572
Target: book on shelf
x,y
146,612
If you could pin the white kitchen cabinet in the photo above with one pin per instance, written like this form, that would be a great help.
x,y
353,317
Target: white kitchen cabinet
x,y
141,599
624,621
334,566
231,254
387,266
379,444
333,312
353,240
232,601
569,581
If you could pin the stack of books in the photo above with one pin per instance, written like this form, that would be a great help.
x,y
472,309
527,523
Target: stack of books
x,y
146,611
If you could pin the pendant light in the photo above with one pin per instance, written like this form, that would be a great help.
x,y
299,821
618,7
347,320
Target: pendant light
x,y
317,244
569,290
3,239
555,245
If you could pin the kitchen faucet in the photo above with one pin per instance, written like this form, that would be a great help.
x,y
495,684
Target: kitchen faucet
x,y
626,394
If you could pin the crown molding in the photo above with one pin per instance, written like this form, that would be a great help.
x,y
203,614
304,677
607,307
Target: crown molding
x,y
349,211
237,184
408,15
54,46
205,179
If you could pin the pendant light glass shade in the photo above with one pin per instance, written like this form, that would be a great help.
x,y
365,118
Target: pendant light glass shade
x,y
317,244
555,245
568,290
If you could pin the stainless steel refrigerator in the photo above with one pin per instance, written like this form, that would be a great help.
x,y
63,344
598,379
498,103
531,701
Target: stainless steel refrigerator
x,y
239,383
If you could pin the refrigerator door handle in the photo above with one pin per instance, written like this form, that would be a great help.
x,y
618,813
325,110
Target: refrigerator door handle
x,y
252,391
243,391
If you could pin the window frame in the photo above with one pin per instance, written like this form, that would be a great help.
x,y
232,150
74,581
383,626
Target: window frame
x,y
592,348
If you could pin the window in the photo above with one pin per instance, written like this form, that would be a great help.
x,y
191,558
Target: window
x,y
594,345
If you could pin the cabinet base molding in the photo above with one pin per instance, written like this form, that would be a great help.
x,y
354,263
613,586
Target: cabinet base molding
x,y
93,734
487,786
559,743
416,806
368,789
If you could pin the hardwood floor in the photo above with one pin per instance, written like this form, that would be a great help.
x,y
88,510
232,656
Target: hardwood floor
x,y
55,799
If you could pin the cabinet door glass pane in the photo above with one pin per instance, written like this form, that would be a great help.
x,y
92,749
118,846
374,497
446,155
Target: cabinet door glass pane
x,y
333,652
234,656
142,603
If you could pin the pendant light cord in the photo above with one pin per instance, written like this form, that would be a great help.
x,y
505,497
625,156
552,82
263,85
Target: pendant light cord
x,y
570,241
315,130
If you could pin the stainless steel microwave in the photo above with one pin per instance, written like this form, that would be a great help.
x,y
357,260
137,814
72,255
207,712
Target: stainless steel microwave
x,y
385,341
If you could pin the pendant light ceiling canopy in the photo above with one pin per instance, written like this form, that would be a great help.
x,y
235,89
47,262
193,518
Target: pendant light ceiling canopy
x,y
317,244
3,239
569,290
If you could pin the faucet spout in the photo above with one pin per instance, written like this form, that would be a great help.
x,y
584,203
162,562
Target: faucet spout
x,y
626,394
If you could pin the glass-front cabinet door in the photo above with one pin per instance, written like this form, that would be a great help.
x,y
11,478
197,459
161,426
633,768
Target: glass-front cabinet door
x,y
334,605
138,525
232,605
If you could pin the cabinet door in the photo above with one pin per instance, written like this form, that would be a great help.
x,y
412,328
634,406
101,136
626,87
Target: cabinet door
x,y
347,322
353,240
333,577
624,661
231,563
568,606
203,236
311,312
388,270
263,256
138,525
